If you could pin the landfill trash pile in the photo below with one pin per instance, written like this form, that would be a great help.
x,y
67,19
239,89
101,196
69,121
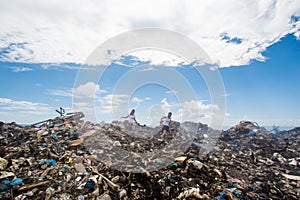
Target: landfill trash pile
x,y
267,163
58,159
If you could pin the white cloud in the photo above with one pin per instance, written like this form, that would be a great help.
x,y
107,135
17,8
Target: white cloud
x,y
86,99
112,107
155,114
21,69
122,64
226,94
232,32
185,111
87,108
196,111
57,66
97,104
145,69
9,104
140,100
88,90
158,57
64,93
137,100
103,107
62,67
171,92
23,111
165,105
108,107
114,99
192,110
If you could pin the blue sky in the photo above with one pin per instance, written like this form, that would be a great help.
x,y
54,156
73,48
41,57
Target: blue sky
x,y
256,50
266,92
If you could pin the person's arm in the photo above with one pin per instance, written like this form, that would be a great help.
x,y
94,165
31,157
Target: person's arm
x,y
125,117
135,120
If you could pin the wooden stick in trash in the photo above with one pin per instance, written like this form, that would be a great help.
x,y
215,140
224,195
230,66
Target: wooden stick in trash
x,y
30,186
110,183
41,122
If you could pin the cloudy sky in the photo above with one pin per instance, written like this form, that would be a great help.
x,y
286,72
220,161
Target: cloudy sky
x,y
255,44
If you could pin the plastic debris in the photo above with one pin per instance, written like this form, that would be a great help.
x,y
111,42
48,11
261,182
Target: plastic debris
x,y
292,177
181,159
9,184
192,192
3,164
55,138
50,161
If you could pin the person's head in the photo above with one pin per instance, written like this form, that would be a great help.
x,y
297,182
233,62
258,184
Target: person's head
x,y
132,112
169,114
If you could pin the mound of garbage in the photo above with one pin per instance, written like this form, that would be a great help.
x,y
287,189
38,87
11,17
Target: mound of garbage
x,y
69,158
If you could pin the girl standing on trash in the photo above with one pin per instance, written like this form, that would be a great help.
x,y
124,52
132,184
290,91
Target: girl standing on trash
x,y
131,118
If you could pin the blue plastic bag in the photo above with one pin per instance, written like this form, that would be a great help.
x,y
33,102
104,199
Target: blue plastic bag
x,y
9,184
50,162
